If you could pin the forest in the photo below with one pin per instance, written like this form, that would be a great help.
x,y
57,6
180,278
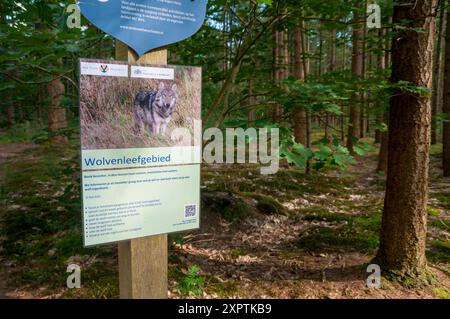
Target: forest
x,y
360,93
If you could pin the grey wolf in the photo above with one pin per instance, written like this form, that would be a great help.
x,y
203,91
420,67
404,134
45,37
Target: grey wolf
x,y
153,110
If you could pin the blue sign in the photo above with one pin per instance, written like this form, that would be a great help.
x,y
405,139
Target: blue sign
x,y
146,24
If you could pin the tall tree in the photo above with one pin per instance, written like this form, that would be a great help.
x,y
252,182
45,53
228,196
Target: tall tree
x,y
404,223
299,118
446,104
357,70
437,72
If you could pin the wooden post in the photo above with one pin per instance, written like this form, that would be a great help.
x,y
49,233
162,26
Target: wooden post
x,y
143,262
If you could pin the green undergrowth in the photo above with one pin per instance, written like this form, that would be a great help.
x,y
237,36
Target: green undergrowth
x,y
26,132
41,223
444,198
287,184
439,251
341,231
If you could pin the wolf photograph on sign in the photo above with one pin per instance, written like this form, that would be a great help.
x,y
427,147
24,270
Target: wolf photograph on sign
x,y
154,109
138,111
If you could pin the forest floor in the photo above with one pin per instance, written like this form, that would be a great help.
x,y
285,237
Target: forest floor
x,y
289,235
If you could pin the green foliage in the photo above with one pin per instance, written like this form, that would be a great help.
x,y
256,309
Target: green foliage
x,y
192,284
325,154
313,97
28,131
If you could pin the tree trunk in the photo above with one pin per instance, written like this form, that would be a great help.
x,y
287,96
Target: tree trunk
x,y
446,103
437,72
251,98
10,111
381,63
357,70
56,113
364,96
299,116
383,155
331,68
404,224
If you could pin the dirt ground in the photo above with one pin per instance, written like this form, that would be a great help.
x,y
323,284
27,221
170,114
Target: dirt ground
x,y
8,151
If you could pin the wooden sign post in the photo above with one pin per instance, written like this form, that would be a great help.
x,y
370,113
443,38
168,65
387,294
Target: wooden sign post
x,y
143,262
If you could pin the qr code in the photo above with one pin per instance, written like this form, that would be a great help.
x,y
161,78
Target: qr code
x,y
190,211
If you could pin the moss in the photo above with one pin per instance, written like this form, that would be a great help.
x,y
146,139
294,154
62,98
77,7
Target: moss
x,y
328,239
266,204
357,233
433,211
236,252
438,223
227,289
230,206
412,280
442,293
444,198
236,212
439,251
436,149
100,281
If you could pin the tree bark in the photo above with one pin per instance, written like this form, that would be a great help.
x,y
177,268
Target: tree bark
x,y
357,70
299,116
383,154
446,103
404,223
437,72
331,68
10,118
251,98
281,68
381,62
56,113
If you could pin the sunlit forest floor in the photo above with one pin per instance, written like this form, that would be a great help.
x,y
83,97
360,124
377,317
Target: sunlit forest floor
x,y
290,235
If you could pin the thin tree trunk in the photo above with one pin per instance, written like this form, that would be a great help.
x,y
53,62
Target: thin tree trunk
x,y
446,103
404,223
251,98
331,68
357,70
383,154
381,63
10,111
299,116
437,78
56,112
281,67
363,97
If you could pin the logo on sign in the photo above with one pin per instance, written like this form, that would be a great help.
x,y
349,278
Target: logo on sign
x,y
104,68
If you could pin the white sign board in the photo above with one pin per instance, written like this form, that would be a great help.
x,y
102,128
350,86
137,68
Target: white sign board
x,y
140,177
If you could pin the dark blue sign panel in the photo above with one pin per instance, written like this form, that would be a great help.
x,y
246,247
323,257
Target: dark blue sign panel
x,y
146,24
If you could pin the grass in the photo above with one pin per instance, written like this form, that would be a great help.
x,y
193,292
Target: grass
x,y
23,132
